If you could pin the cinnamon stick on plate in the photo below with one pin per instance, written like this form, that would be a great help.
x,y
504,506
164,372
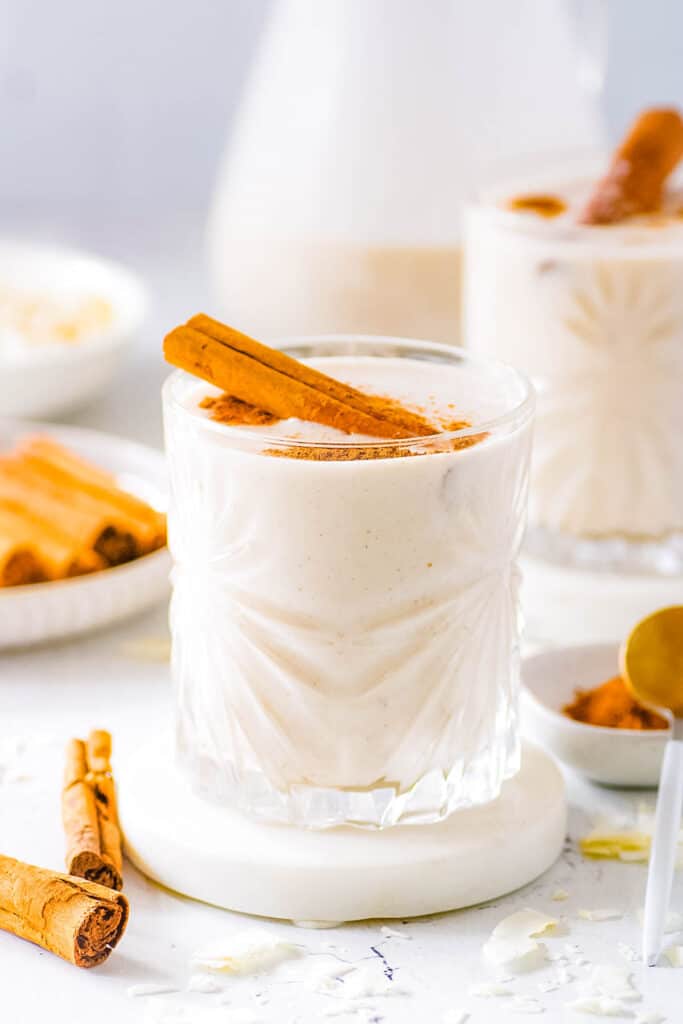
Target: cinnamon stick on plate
x,y
19,563
272,381
96,527
78,920
62,468
90,851
635,180
56,555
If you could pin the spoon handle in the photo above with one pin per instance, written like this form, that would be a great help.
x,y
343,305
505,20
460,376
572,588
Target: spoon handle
x,y
663,853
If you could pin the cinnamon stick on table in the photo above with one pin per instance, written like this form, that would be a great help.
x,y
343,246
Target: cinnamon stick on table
x,y
271,380
635,180
101,779
78,920
93,839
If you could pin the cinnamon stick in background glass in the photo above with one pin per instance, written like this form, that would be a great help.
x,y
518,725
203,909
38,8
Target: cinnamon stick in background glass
x,y
639,169
78,920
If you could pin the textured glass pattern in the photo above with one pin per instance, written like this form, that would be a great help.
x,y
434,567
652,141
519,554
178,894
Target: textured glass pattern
x,y
598,324
358,666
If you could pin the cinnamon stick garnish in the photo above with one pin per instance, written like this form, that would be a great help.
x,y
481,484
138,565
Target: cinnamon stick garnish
x,y
78,920
635,180
272,381
88,855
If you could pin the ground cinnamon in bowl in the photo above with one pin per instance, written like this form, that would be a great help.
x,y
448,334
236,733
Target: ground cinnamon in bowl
x,y
612,705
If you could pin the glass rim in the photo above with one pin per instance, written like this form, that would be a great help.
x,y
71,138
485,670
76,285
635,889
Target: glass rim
x,y
515,417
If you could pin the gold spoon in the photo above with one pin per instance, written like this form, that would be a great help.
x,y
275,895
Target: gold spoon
x,y
652,666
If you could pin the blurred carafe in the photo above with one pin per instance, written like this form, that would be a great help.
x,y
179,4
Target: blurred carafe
x,y
364,126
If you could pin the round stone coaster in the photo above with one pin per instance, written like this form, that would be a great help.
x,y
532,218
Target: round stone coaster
x,y
343,874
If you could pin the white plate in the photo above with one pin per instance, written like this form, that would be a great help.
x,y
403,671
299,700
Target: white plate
x,y
39,612
47,379
618,757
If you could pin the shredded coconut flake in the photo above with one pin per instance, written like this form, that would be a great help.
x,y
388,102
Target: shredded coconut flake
x,y
317,925
674,954
150,989
628,952
607,980
242,952
601,914
599,1006
455,1017
559,895
512,942
367,982
650,1018
393,933
489,989
527,1004
203,983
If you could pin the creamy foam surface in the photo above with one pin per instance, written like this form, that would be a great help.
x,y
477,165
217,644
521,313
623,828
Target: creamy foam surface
x,y
440,392
574,193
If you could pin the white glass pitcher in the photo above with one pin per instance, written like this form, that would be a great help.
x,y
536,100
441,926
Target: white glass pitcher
x,y
364,126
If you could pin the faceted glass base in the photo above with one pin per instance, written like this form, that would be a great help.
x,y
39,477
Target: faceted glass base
x,y
431,799
660,557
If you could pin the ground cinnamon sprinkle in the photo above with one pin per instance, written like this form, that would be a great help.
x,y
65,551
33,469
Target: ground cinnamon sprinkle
x,y
544,206
612,705
234,412
350,453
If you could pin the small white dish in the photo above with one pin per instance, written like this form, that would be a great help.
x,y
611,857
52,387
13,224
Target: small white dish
x,y
617,757
40,612
45,379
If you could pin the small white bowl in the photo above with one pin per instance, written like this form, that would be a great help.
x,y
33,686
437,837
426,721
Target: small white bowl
x,y
617,757
39,612
47,379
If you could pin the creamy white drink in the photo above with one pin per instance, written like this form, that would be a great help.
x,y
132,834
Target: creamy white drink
x,y
594,314
344,617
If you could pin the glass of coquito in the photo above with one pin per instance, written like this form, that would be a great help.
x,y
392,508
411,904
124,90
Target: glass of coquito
x,y
345,520
578,280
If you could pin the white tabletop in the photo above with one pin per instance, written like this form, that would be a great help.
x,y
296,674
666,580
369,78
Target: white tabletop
x,y
50,694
